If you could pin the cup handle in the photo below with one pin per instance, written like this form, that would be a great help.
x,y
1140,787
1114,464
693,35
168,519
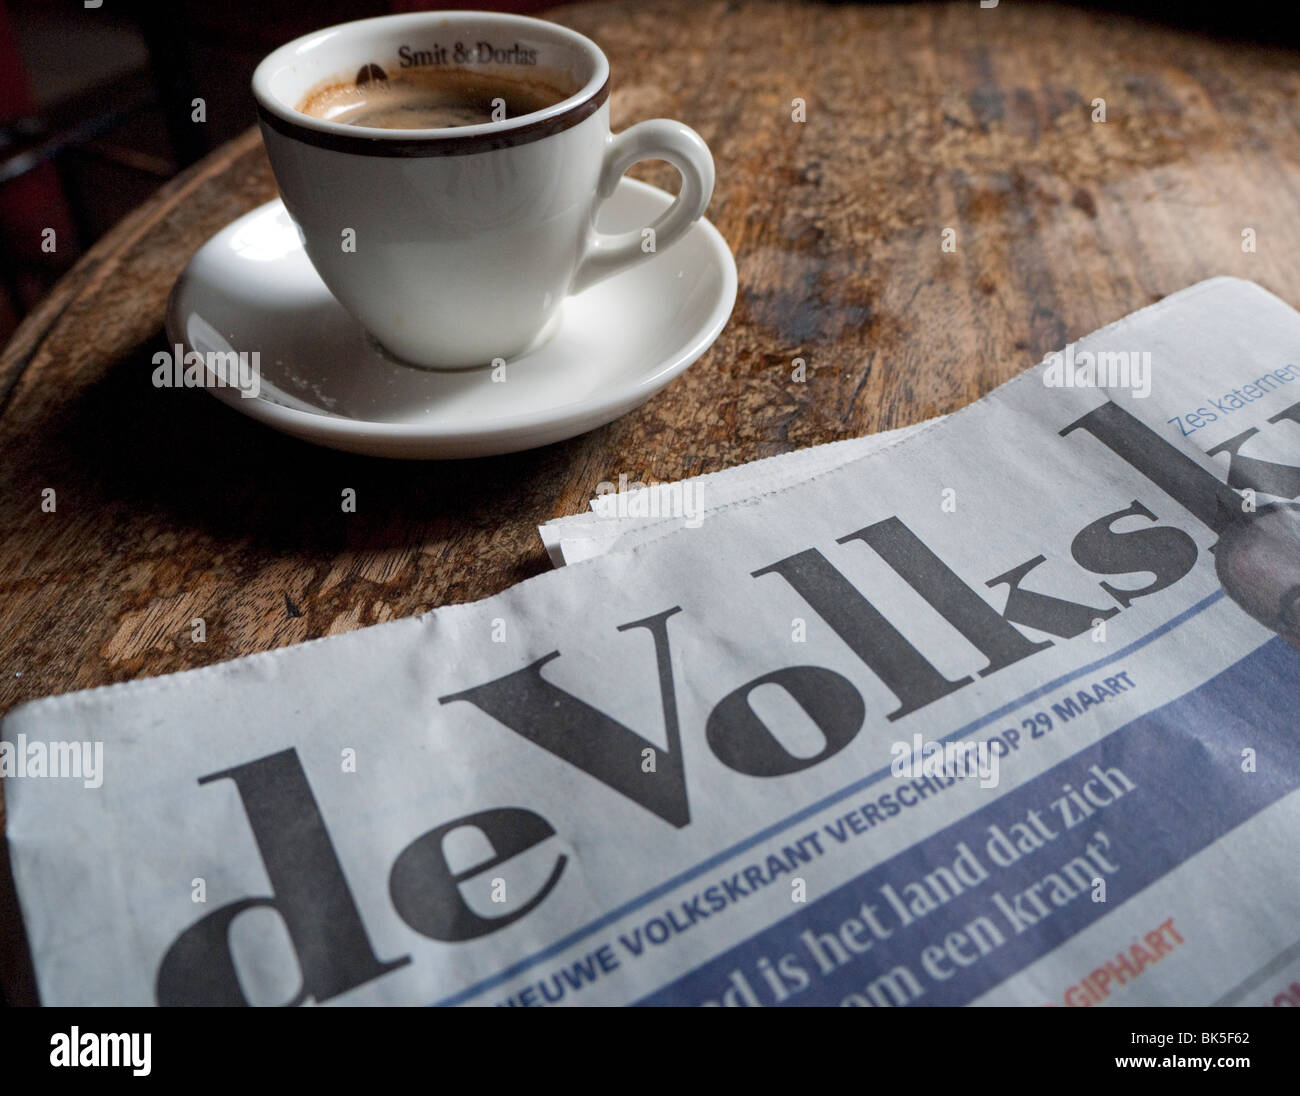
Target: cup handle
x,y
656,139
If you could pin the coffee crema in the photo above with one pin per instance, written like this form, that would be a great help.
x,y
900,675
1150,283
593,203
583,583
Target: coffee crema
x,y
429,99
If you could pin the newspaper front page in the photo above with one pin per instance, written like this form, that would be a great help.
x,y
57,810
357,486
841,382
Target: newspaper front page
x,y
1004,712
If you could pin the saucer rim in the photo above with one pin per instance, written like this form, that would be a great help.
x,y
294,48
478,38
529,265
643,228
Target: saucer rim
x,y
326,428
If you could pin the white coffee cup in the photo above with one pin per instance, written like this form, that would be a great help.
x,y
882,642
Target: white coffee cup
x,y
456,247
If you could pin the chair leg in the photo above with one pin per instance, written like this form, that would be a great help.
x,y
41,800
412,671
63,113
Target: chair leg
x,y
165,34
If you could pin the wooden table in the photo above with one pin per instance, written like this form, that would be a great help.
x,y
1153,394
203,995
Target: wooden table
x,y
919,118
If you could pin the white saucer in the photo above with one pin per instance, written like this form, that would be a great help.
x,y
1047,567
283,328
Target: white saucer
x,y
252,288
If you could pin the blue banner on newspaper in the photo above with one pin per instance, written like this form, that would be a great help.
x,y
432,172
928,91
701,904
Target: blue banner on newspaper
x,y
958,913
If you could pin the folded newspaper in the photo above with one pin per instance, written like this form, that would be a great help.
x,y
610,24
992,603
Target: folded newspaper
x,y
1000,710
622,508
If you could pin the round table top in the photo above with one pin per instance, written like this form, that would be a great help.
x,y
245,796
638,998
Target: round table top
x,y
917,119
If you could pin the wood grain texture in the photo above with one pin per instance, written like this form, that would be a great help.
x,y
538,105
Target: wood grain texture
x,y
919,118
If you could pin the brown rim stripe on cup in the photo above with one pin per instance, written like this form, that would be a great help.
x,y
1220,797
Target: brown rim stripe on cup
x,y
446,143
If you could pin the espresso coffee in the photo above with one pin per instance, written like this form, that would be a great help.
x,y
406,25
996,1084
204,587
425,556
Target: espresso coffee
x,y
429,98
